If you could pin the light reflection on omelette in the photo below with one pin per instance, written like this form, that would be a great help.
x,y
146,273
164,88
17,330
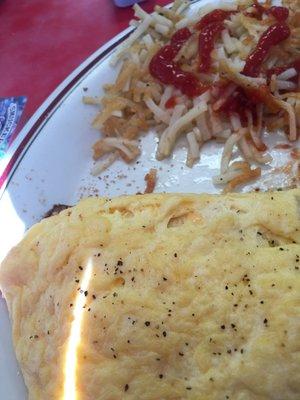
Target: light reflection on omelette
x,y
181,297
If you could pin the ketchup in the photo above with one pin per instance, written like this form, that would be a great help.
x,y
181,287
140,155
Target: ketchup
x,y
166,70
271,37
279,13
212,17
278,70
258,10
247,99
238,103
210,26
206,43
171,102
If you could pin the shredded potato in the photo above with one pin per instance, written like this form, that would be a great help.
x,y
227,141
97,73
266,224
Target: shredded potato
x,y
137,101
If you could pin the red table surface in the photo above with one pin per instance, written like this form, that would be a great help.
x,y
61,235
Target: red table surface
x,y
43,41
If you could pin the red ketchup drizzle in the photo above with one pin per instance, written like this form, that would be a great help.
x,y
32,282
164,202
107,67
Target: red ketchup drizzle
x,y
210,27
271,37
206,43
278,70
238,103
279,13
215,16
258,10
166,70
171,102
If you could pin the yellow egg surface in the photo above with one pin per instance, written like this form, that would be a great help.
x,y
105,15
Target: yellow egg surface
x,y
160,297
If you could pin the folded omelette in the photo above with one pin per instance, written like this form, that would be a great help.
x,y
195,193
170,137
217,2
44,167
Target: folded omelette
x,y
160,296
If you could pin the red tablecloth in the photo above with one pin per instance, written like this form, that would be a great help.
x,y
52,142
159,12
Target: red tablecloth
x,y
42,41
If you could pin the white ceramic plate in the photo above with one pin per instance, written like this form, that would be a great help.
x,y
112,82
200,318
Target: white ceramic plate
x,y
50,163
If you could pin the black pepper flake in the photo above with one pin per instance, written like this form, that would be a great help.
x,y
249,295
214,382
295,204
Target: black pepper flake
x,y
242,351
164,333
80,267
164,278
261,302
188,388
232,326
93,296
175,255
223,326
181,354
147,323
71,305
77,280
281,248
229,351
250,291
265,321
126,387
48,332
120,262
86,293
160,376
226,287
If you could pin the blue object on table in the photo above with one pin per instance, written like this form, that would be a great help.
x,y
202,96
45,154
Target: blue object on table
x,y
11,109
126,3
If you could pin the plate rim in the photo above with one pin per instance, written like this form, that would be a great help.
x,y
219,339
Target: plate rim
x,y
33,126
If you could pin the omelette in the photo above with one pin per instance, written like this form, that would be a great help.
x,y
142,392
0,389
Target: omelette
x,y
160,297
